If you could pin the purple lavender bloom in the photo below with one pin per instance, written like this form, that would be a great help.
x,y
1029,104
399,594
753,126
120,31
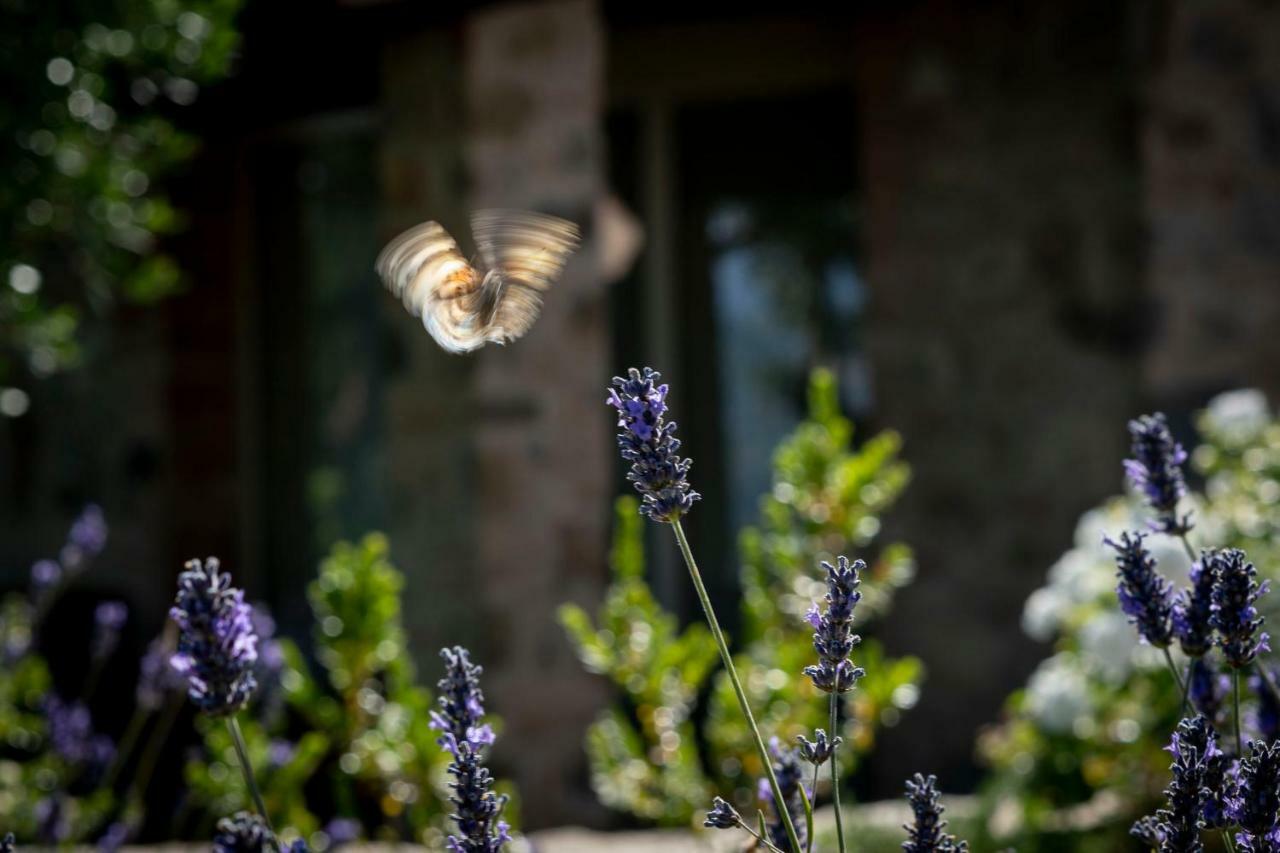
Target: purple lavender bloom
x,y
156,678
217,648
52,825
270,655
70,731
1266,719
1202,779
1193,609
1149,832
1269,843
648,442
466,737
818,750
926,833
280,752
45,575
89,531
113,838
243,833
342,830
108,621
1208,688
787,770
722,816
1155,470
1145,596
1257,800
833,638
1235,591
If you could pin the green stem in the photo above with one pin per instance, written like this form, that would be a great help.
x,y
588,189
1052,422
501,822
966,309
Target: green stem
x,y
760,838
835,775
127,742
151,752
1235,689
780,804
1177,676
1187,545
809,841
242,753
1186,685
1226,840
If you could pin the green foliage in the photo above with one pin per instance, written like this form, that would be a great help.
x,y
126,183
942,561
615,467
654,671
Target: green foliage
x,y
1079,754
645,762
86,131
825,500
31,771
367,739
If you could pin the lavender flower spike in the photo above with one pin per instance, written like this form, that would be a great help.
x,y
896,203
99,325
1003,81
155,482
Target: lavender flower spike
x,y
466,737
926,833
71,735
722,816
1258,798
833,637
89,531
217,648
1198,795
1155,470
1145,596
1235,592
243,833
818,750
109,618
1193,609
786,769
648,442
1266,718
156,678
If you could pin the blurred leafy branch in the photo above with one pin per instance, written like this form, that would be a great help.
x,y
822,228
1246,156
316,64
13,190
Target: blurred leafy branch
x,y
87,127
826,499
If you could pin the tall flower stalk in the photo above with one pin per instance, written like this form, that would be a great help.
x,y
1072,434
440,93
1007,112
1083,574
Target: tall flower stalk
x,y
834,641
216,654
927,831
1145,596
1155,470
1197,797
1235,618
647,441
466,737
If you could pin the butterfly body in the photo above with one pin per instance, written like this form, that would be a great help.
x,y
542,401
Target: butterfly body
x,y
465,306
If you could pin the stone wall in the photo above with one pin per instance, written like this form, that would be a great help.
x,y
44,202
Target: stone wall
x,y
1003,235
1211,154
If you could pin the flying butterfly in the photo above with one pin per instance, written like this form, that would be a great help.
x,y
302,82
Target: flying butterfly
x,y
465,306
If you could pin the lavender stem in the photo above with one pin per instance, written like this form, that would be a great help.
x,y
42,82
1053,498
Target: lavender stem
x,y
783,812
233,726
835,776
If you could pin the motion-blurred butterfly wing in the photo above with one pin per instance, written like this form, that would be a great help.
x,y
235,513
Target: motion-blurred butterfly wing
x,y
463,307
523,254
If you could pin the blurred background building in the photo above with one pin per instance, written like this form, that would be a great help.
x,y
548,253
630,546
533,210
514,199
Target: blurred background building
x,y
1007,227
